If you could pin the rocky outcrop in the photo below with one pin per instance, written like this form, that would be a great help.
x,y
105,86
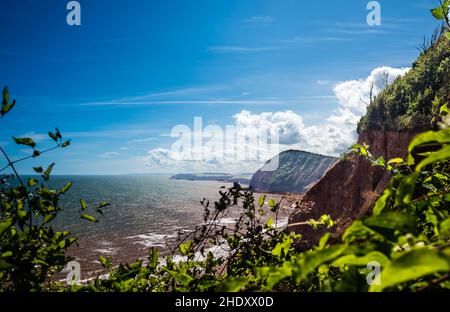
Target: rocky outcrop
x,y
349,189
291,171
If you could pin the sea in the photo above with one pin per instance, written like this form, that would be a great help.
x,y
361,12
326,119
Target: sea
x,y
145,211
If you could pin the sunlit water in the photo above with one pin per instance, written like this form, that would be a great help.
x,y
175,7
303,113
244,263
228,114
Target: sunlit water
x,y
145,211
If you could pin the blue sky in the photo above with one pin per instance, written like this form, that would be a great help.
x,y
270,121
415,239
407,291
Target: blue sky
x,y
118,84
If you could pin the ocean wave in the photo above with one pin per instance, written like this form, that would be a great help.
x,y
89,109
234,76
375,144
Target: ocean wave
x,y
152,239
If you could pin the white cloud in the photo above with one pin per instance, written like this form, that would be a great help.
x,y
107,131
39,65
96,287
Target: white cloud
x,y
323,82
143,140
315,40
359,31
287,124
260,20
352,94
187,102
239,49
331,138
109,154
37,137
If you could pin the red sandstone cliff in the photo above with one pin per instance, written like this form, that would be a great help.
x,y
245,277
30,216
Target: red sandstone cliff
x,y
349,188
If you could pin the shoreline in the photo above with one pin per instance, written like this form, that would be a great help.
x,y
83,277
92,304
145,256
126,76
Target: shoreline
x,y
128,248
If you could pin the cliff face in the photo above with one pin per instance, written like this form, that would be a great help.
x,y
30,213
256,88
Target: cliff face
x,y
349,189
410,105
295,173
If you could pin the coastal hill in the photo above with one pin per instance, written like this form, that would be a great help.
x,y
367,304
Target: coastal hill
x,y
294,172
223,177
410,105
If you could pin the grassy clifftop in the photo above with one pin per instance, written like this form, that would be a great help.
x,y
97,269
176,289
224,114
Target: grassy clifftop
x,y
408,102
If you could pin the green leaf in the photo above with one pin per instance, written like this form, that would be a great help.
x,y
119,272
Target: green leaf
x,y
32,181
358,231
441,11
83,204
66,187
181,277
7,254
49,217
444,108
359,150
53,136
310,260
25,141
49,169
274,275
5,265
444,228
46,193
7,107
261,200
103,204
65,144
282,248
436,101
442,154
428,138
327,221
447,34
380,204
323,241
438,13
5,96
58,134
153,257
273,205
38,169
411,266
395,161
233,284
21,212
5,224
392,220
405,192
105,262
355,260
185,248
88,217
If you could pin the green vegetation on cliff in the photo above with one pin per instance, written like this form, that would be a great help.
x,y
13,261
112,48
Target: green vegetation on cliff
x,y
407,103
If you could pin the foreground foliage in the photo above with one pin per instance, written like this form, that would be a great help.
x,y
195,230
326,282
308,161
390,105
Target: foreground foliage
x,y
407,233
31,251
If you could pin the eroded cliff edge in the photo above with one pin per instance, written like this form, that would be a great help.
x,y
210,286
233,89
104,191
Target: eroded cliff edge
x,y
405,108
349,188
